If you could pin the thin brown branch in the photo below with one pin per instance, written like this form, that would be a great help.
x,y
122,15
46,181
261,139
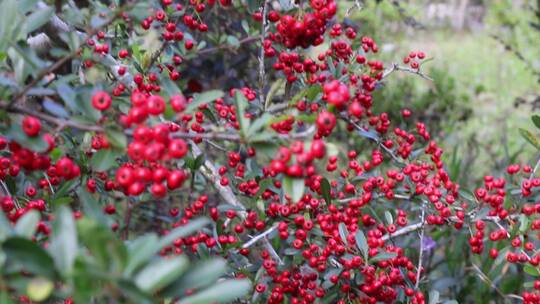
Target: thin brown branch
x,y
60,123
421,253
262,76
396,67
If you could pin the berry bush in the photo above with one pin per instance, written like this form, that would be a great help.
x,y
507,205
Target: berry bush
x,y
225,151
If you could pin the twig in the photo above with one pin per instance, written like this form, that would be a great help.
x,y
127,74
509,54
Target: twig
x,y
421,253
396,67
452,219
517,53
409,20
356,5
49,182
259,236
535,169
488,281
261,57
402,231
61,123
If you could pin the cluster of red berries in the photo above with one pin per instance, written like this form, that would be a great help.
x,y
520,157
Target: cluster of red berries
x,y
413,59
302,159
306,30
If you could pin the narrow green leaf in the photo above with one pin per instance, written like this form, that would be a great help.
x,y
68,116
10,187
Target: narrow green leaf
x,y
160,273
38,18
361,243
63,246
202,98
530,138
388,217
536,120
383,257
531,270
233,41
343,233
104,159
27,224
28,256
258,125
523,223
5,227
140,251
91,206
241,103
294,187
201,275
222,292
116,137
325,189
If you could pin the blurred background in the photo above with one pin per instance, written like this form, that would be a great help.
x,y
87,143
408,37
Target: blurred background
x,y
486,70
485,65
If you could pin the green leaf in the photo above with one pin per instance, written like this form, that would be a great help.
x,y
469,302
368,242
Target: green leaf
x,y
233,41
466,194
104,159
325,189
140,251
116,137
202,98
68,95
9,23
383,257
531,270
91,206
388,217
183,231
310,93
222,292
530,138
274,88
523,223
38,18
294,187
27,224
39,289
27,255
107,251
201,275
5,227
160,273
343,232
361,243
536,120
241,103
63,246
258,124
